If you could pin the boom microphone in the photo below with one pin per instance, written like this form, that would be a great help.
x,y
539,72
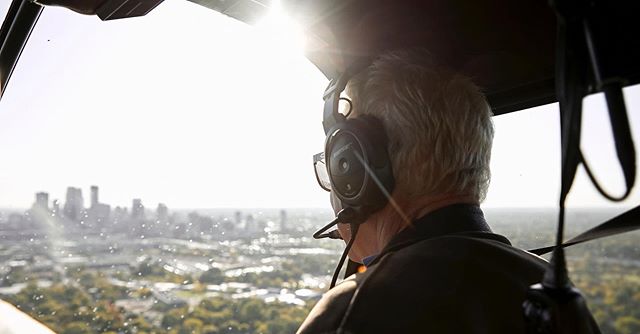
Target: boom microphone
x,y
344,216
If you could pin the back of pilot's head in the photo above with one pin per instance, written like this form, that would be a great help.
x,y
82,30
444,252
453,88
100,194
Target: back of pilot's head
x,y
438,123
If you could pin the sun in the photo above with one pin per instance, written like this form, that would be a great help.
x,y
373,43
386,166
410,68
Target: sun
x,y
284,33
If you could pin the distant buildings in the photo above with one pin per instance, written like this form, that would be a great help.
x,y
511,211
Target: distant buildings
x,y
55,208
39,213
74,205
162,213
120,214
254,226
99,218
42,201
98,213
238,218
72,217
250,225
137,209
94,196
283,220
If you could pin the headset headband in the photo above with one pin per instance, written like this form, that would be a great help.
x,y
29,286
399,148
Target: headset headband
x,y
331,97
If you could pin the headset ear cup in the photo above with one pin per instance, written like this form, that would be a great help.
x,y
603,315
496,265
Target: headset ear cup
x,y
358,163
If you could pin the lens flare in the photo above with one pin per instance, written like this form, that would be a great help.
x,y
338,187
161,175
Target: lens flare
x,y
282,31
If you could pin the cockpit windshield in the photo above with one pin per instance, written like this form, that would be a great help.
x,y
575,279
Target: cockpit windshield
x,y
157,178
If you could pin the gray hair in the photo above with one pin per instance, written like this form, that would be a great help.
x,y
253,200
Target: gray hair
x,y
438,123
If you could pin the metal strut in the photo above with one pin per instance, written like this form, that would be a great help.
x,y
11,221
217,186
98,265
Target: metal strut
x,y
16,29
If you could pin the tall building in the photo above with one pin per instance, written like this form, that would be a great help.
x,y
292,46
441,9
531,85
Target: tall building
x,y
137,209
98,212
39,212
94,196
251,225
55,208
42,200
283,220
162,213
120,214
74,204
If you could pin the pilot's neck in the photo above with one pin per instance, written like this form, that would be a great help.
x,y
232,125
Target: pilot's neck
x,y
381,227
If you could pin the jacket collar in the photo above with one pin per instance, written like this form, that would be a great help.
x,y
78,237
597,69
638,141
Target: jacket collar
x,y
460,219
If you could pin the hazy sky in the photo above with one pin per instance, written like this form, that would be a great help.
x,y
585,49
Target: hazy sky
x,y
196,110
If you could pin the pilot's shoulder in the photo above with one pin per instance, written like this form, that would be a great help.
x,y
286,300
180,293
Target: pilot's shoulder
x,y
326,315
487,248
439,268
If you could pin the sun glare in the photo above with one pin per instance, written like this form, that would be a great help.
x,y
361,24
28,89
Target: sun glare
x,y
284,33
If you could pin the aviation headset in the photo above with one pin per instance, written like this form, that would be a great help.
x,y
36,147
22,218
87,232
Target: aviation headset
x,y
357,160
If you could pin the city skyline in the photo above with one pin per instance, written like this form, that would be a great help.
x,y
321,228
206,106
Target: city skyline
x,y
74,200
44,196
98,219
44,199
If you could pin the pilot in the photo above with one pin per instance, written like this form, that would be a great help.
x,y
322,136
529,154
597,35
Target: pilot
x,y
431,263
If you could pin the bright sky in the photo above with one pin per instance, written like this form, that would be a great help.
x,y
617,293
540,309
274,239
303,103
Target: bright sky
x,y
196,110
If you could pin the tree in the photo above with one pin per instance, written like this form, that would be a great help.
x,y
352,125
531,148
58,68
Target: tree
x,y
251,311
212,276
190,326
627,325
214,304
210,329
76,327
173,318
